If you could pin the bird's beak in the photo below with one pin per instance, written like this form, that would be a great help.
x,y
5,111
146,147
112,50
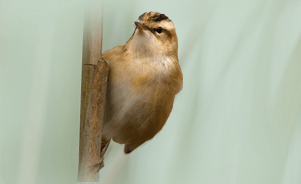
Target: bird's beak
x,y
140,25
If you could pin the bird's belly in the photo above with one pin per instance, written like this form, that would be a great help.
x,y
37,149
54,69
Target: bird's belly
x,y
142,120
139,107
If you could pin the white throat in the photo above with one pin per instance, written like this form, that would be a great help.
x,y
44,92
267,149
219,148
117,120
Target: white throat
x,y
144,44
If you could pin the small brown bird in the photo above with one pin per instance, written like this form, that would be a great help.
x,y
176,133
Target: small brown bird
x,y
144,78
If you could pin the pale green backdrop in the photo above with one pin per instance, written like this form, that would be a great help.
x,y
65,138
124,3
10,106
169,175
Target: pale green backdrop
x,y
236,121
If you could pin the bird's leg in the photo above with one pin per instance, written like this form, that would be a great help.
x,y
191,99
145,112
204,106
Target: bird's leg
x,y
104,145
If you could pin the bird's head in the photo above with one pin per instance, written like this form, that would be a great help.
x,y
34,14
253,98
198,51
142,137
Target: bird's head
x,y
155,34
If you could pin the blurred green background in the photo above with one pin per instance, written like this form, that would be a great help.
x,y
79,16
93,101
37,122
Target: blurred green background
x,y
236,121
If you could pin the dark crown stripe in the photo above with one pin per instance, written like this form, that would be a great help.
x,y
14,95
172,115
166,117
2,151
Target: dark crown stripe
x,y
158,17
155,18
141,16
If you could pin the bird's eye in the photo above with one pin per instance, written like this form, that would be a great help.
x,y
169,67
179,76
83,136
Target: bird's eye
x,y
159,30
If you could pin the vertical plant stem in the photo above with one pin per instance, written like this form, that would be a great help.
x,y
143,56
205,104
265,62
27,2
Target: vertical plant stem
x,y
93,93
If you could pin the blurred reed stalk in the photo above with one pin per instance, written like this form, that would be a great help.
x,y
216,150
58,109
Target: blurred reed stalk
x,y
93,91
